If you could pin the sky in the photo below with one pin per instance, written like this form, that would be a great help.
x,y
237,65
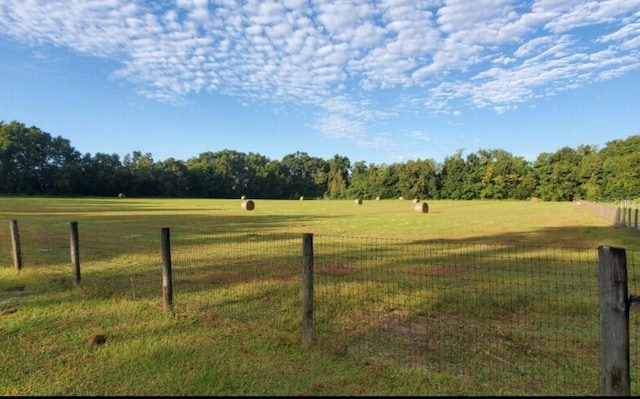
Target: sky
x,y
376,81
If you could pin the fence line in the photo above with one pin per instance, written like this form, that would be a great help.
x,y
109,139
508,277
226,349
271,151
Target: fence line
x,y
626,214
499,318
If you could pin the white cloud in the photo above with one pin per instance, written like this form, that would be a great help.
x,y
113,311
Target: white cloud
x,y
340,56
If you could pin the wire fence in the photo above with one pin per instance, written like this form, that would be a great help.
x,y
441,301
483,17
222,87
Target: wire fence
x,y
625,213
503,318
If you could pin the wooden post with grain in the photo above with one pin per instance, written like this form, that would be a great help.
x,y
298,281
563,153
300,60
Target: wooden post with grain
x,y
307,289
15,245
167,280
74,247
614,322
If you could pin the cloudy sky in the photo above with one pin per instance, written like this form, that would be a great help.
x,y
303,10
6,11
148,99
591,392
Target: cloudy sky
x,y
377,81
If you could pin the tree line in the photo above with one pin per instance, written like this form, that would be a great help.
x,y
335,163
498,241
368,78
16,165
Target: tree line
x,y
33,162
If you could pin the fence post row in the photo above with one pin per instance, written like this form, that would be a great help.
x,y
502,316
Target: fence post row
x,y
74,243
307,289
167,280
614,321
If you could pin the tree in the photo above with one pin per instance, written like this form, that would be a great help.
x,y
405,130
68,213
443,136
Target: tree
x,y
558,175
304,175
338,179
452,176
103,175
173,178
140,167
621,168
417,179
31,161
359,187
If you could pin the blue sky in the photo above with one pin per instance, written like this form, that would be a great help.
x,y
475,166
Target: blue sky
x,y
377,81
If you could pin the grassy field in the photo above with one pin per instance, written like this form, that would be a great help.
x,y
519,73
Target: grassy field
x,y
216,342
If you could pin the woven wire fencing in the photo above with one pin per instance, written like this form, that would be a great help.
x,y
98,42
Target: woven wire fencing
x,y
498,318
515,319
521,319
118,265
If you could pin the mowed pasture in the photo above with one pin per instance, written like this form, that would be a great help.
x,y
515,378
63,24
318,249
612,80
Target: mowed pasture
x,y
236,325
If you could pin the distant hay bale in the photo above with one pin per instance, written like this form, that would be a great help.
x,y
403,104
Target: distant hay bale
x,y
535,199
244,197
122,195
247,205
358,201
377,198
401,198
301,198
421,207
415,200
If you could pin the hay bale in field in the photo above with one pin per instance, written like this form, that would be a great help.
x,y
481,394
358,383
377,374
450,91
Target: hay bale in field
x,y
244,197
535,199
301,198
377,198
122,195
415,200
247,205
401,198
421,207
358,201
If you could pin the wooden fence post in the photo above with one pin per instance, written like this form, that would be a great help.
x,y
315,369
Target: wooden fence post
x,y
307,289
75,252
15,244
635,220
167,280
615,377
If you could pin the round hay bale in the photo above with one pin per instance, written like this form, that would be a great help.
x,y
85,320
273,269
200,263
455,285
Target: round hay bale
x,y
421,207
401,198
247,205
301,198
535,199
377,198
122,195
358,201
415,200
244,197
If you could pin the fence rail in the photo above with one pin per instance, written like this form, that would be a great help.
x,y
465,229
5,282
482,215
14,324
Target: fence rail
x,y
503,318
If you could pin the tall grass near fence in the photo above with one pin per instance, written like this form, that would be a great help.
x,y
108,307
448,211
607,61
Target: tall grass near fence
x,y
474,298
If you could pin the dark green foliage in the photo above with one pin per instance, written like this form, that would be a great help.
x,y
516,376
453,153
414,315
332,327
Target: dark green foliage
x,y
32,162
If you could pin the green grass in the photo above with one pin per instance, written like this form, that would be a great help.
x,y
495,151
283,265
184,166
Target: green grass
x,y
236,324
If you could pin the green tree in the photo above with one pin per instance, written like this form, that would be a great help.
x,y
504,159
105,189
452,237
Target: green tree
x,y
304,175
359,178
31,161
141,169
621,168
204,182
338,179
505,176
417,179
172,177
558,175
